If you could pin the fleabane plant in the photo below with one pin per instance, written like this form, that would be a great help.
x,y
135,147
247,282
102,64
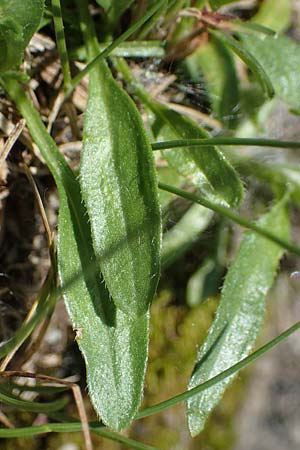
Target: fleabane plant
x,y
110,239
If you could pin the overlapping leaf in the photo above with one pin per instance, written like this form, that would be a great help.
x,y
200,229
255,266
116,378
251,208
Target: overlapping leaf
x,y
239,316
114,346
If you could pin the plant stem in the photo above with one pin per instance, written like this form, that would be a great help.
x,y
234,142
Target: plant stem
x,y
231,215
181,143
61,43
72,427
115,43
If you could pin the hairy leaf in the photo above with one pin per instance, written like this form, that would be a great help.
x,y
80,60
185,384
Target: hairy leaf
x,y
239,316
114,346
120,191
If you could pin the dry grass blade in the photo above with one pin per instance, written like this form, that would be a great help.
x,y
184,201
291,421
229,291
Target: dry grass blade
x,y
11,140
76,394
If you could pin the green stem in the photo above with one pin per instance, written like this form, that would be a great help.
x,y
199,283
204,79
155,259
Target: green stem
x,y
72,427
218,378
275,143
231,215
116,43
61,43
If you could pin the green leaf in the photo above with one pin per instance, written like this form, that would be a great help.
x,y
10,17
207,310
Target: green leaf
x,y
120,191
249,59
10,55
240,314
278,56
104,3
182,236
207,167
216,63
114,345
275,15
18,21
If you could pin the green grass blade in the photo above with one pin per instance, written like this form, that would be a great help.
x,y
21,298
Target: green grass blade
x,y
240,313
181,143
61,42
71,427
116,43
12,400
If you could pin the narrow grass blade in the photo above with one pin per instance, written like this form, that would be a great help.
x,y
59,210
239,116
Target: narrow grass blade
x,y
240,314
12,400
72,427
202,142
116,43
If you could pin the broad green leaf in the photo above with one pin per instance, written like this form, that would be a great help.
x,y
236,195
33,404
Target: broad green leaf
x,y
240,314
279,56
207,167
18,21
216,63
120,191
114,346
182,236
275,15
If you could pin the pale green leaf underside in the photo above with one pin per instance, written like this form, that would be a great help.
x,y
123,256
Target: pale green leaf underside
x,y
239,316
